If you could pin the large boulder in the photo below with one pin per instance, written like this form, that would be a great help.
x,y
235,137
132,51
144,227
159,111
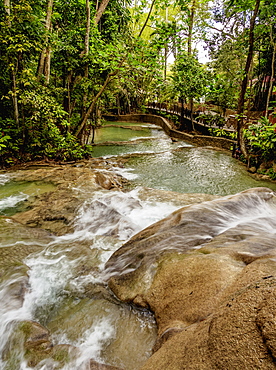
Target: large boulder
x,y
207,272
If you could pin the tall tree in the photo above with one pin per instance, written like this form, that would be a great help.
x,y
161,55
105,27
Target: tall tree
x,y
44,66
244,83
109,77
189,78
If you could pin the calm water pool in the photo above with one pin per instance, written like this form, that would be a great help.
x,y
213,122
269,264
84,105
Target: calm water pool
x,y
176,166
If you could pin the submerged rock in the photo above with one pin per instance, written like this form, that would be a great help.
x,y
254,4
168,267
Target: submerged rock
x,y
55,210
207,272
39,351
17,242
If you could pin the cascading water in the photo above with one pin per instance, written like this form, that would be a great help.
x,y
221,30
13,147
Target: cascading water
x,y
56,281
61,285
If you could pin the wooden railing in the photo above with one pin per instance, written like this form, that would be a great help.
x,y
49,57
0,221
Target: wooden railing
x,y
198,116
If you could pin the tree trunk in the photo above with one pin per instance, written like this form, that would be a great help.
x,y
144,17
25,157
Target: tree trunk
x,y
45,56
118,104
190,39
182,122
92,105
86,52
192,113
15,99
47,65
272,73
7,6
166,50
101,10
240,110
88,23
191,26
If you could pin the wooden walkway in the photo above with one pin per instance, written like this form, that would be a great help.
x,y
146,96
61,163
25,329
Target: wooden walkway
x,y
198,117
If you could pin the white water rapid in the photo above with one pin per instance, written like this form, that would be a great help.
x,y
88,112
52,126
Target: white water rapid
x,y
55,279
56,291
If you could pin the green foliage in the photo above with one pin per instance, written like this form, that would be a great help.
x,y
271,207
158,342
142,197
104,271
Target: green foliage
x,y
261,138
222,91
47,127
212,119
39,113
3,141
268,172
218,132
190,78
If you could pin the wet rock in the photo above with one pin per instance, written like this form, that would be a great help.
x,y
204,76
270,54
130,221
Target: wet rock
x,y
35,335
234,329
55,210
175,198
207,272
13,231
33,340
16,243
107,181
252,169
97,366
38,348
230,338
177,294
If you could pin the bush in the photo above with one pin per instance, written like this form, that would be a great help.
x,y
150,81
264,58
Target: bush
x,y
261,139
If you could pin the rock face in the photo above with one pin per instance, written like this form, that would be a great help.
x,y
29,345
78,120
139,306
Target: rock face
x,y
208,273
55,211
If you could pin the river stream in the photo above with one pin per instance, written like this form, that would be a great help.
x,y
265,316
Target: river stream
x,y
63,279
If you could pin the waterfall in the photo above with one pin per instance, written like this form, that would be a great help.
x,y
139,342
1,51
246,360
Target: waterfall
x,y
103,223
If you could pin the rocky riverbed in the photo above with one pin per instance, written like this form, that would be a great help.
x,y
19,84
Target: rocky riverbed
x,y
206,272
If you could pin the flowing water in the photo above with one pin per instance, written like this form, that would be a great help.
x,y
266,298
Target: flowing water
x,y
61,286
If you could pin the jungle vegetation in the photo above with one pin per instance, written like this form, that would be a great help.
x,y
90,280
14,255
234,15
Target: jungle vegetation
x,y
65,63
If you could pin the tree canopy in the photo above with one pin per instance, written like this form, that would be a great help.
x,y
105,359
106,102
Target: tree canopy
x,y
64,64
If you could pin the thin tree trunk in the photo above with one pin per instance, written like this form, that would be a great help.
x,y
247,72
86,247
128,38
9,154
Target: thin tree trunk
x,y
47,65
190,39
191,26
272,73
271,80
182,119
86,52
44,62
192,113
7,6
101,10
118,105
108,79
166,51
240,110
88,24
15,99
93,103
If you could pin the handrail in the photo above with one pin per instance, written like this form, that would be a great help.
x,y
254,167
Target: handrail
x,y
177,110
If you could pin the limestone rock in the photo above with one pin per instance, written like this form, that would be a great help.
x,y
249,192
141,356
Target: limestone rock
x,y
208,273
97,366
55,210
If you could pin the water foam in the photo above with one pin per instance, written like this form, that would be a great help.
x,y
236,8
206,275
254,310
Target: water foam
x,y
12,201
4,179
50,272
